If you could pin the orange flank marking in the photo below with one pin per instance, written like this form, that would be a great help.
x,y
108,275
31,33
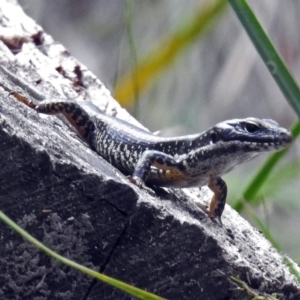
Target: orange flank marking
x,y
170,173
74,124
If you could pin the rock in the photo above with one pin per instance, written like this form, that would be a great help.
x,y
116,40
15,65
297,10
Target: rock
x,y
77,204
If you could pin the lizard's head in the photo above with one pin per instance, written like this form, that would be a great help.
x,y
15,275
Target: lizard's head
x,y
251,134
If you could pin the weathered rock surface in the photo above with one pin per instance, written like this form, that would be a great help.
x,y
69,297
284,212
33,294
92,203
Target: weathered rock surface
x,y
77,204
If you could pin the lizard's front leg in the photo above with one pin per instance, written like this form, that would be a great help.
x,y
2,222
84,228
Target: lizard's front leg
x,y
218,186
150,158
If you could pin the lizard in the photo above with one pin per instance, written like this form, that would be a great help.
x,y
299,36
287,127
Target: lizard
x,y
186,161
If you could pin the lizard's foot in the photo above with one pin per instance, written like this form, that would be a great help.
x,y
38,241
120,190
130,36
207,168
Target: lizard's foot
x,y
140,183
213,217
23,99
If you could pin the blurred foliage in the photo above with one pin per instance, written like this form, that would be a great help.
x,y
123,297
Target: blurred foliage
x,y
165,52
268,53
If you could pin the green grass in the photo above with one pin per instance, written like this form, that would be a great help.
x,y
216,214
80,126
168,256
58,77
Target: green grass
x,y
129,289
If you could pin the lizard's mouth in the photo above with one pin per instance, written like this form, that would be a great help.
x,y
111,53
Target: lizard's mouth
x,y
268,140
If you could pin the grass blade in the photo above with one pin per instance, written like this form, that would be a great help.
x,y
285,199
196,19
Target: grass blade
x,y
109,280
284,80
268,53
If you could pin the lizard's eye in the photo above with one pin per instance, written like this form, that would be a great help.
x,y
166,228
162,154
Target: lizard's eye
x,y
251,127
213,138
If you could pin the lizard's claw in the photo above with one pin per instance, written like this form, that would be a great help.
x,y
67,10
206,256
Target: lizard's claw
x,y
140,183
213,217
